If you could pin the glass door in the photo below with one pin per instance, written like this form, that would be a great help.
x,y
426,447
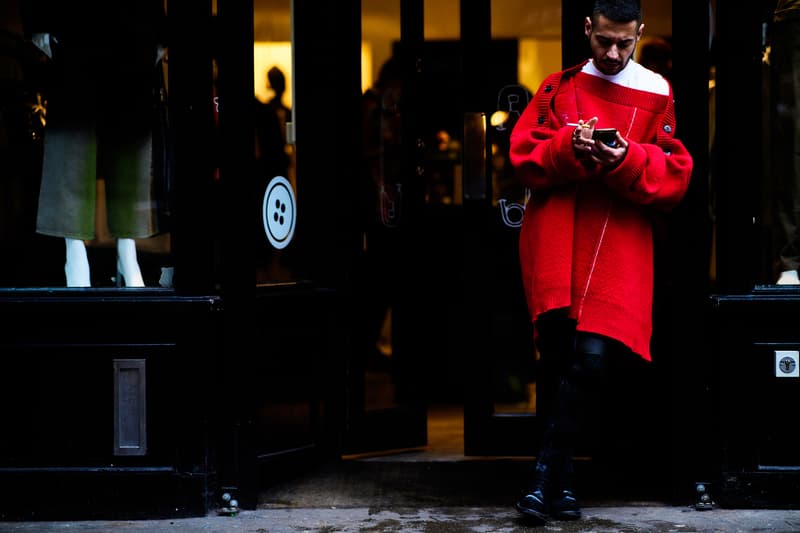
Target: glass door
x,y
508,48
443,200
445,321
507,55
386,406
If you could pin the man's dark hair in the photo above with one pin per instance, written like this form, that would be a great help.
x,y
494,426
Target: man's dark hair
x,y
617,10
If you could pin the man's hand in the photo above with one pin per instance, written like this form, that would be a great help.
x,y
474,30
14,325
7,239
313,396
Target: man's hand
x,y
582,141
606,155
586,147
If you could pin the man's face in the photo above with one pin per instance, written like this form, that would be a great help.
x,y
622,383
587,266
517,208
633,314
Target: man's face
x,y
612,43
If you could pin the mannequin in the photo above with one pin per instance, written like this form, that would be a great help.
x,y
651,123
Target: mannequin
x,y
77,265
100,122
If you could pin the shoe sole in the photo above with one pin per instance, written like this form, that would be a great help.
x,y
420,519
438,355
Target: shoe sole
x,y
531,513
568,515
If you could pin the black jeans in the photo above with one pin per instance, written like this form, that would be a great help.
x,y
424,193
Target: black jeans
x,y
575,369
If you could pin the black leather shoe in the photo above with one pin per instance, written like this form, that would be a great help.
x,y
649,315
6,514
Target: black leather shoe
x,y
565,506
534,502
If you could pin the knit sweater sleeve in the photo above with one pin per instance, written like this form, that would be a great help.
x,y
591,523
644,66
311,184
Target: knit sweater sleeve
x,y
541,146
655,174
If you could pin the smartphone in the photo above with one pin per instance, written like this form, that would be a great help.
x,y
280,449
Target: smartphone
x,y
607,136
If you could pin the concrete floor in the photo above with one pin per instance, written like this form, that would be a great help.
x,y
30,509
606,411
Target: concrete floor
x,y
413,496
630,518
438,489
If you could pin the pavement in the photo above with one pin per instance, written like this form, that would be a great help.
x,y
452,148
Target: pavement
x,y
431,497
629,518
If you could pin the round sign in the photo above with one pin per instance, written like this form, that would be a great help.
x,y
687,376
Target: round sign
x,y
279,212
787,365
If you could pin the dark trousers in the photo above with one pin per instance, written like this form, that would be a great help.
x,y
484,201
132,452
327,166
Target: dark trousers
x,y
576,368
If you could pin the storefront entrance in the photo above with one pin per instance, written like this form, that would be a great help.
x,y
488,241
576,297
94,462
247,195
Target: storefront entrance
x,y
351,287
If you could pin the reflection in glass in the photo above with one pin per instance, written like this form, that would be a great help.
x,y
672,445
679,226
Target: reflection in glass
x,y
97,165
782,142
22,122
529,47
274,155
381,196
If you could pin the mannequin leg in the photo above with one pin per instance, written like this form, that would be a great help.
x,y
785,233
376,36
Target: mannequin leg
x,y
788,277
127,264
77,265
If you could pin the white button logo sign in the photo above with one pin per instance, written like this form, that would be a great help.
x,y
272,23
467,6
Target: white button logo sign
x,y
786,363
279,212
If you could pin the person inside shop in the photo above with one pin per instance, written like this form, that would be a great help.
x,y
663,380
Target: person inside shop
x,y
270,124
586,242
381,213
277,82
100,117
784,59
655,53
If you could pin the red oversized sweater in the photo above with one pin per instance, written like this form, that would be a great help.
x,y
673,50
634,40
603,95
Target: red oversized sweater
x,y
586,242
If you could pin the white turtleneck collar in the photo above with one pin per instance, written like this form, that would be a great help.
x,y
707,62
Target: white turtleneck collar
x,y
634,76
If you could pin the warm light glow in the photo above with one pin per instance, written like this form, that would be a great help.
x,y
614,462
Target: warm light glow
x,y
498,117
366,67
265,56
537,59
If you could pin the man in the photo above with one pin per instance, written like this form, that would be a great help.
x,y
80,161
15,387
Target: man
x,y
586,244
